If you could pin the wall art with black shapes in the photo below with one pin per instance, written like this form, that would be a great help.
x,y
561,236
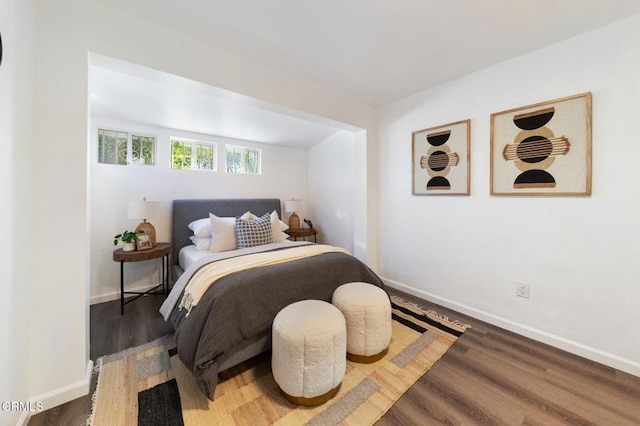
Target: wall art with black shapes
x,y
543,149
441,159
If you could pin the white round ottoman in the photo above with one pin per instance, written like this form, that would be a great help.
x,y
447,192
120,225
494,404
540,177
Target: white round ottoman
x,y
367,310
308,351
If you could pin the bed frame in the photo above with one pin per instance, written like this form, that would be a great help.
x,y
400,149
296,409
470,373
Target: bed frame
x,y
186,211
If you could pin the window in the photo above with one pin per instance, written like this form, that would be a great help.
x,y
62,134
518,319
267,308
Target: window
x,y
192,155
241,159
142,150
112,147
115,147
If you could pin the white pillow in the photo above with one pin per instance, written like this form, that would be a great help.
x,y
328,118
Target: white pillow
x,y
283,226
201,243
223,233
201,227
277,225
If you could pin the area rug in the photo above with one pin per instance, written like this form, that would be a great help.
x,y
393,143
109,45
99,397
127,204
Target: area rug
x,y
149,385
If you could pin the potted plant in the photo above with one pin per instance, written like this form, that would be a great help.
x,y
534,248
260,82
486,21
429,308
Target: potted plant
x,y
128,239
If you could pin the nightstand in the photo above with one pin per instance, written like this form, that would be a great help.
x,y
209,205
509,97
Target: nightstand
x,y
161,250
303,233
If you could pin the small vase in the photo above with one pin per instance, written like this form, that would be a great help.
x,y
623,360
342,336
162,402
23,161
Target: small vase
x,y
129,247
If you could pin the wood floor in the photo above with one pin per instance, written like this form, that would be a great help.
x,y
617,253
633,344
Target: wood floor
x,y
110,332
492,376
489,376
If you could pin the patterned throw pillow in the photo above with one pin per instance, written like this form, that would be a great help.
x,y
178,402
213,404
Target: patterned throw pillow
x,y
255,232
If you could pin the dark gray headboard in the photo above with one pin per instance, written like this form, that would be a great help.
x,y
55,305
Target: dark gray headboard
x,y
186,211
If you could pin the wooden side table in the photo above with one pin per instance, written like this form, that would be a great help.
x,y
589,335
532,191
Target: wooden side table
x,y
161,250
303,233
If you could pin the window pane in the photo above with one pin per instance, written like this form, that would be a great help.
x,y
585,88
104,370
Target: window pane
x,y
122,150
204,157
142,150
234,159
112,147
251,161
176,157
135,150
181,155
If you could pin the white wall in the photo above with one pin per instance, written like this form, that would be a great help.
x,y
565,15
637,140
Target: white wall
x,y
579,254
113,187
343,193
16,89
66,31
332,189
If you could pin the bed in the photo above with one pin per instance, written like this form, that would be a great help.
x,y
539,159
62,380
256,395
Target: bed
x,y
232,319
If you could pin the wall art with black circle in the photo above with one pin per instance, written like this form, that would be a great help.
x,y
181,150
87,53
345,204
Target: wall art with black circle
x,y
543,149
441,159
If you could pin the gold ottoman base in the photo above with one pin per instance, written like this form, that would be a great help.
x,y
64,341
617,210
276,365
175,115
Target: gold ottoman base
x,y
316,400
362,359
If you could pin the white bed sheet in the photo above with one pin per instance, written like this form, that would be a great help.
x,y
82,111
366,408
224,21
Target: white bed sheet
x,y
188,255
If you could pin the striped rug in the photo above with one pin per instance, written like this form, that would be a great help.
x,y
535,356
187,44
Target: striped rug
x,y
149,385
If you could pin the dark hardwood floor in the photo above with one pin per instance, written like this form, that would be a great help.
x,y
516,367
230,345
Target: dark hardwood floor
x,y
110,333
490,376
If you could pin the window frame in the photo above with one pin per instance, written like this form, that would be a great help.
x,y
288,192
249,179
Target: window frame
x,y
155,147
129,155
243,166
195,144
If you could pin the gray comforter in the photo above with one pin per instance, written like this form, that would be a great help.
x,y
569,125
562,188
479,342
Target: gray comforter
x,y
242,307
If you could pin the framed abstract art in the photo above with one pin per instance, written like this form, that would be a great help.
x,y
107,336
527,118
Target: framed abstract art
x,y
543,149
441,159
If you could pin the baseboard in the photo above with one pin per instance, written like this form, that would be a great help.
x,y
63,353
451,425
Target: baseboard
x,y
575,348
60,396
108,297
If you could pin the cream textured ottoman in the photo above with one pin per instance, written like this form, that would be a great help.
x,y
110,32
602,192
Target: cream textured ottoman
x,y
308,351
367,310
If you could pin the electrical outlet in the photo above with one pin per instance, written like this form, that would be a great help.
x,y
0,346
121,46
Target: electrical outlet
x,y
522,290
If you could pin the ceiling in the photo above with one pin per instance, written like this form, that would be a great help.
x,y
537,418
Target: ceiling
x,y
379,51
163,100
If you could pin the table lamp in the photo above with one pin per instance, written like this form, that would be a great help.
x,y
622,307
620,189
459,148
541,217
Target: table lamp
x,y
144,210
292,206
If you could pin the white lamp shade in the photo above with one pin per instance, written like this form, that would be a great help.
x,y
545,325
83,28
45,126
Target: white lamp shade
x,y
143,209
293,205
